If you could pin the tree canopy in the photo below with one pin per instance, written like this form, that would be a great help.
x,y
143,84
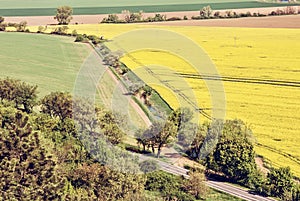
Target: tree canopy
x,y
64,15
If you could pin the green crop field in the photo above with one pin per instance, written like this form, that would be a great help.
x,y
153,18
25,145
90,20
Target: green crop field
x,y
51,62
44,8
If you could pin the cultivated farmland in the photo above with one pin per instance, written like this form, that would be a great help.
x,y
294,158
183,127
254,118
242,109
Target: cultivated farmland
x,y
47,8
260,72
52,62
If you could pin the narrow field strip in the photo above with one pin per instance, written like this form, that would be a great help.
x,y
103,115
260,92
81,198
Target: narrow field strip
x,y
146,8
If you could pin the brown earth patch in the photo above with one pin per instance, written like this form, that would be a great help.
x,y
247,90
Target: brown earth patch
x,y
288,21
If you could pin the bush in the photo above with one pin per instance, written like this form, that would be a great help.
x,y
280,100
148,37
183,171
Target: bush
x,y
174,19
157,18
206,12
74,33
1,19
3,26
289,10
112,18
60,30
185,17
40,29
148,166
94,39
197,18
248,14
21,27
217,14
170,186
79,38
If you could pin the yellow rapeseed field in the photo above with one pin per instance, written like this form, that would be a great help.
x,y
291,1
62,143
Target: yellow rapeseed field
x,y
269,56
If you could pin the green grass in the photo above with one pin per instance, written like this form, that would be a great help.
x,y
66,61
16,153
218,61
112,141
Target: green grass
x,y
51,62
213,196
220,196
42,8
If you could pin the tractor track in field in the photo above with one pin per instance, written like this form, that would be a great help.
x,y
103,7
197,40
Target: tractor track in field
x,y
282,83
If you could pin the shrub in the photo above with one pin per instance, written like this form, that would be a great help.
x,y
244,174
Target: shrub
x,y
40,29
196,18
3,26
158,17
149,166
206,12
217,14
170,186
74,33
60,30
112,18
10,24
174,19
248,14
1,19
94,39
185,17
21,27
289,10
79,38
132,17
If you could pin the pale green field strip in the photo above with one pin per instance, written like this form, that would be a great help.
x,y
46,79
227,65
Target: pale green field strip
x,y
46,8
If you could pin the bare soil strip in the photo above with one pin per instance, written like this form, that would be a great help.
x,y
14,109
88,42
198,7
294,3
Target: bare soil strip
x,y
292,21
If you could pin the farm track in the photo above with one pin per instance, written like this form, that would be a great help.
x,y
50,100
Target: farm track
x,y
283,83
295,159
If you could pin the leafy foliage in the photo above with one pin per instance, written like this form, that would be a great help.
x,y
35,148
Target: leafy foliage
x,y
27,171
21,93
149,166
57,104
234,152
64,14
168,185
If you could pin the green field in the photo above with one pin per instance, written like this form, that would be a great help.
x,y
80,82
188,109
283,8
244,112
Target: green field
x,y
51,62
45,8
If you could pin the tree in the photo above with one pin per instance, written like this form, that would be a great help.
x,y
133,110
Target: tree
x,y
169,186
21,27
64,15
2,25
109,124
18,92
103,183
198,136
27,171
57,104
206,12
112,59
163,134
234,153
280,181
196,185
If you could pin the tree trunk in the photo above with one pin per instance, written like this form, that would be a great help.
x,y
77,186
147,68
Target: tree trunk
x,y
158,151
